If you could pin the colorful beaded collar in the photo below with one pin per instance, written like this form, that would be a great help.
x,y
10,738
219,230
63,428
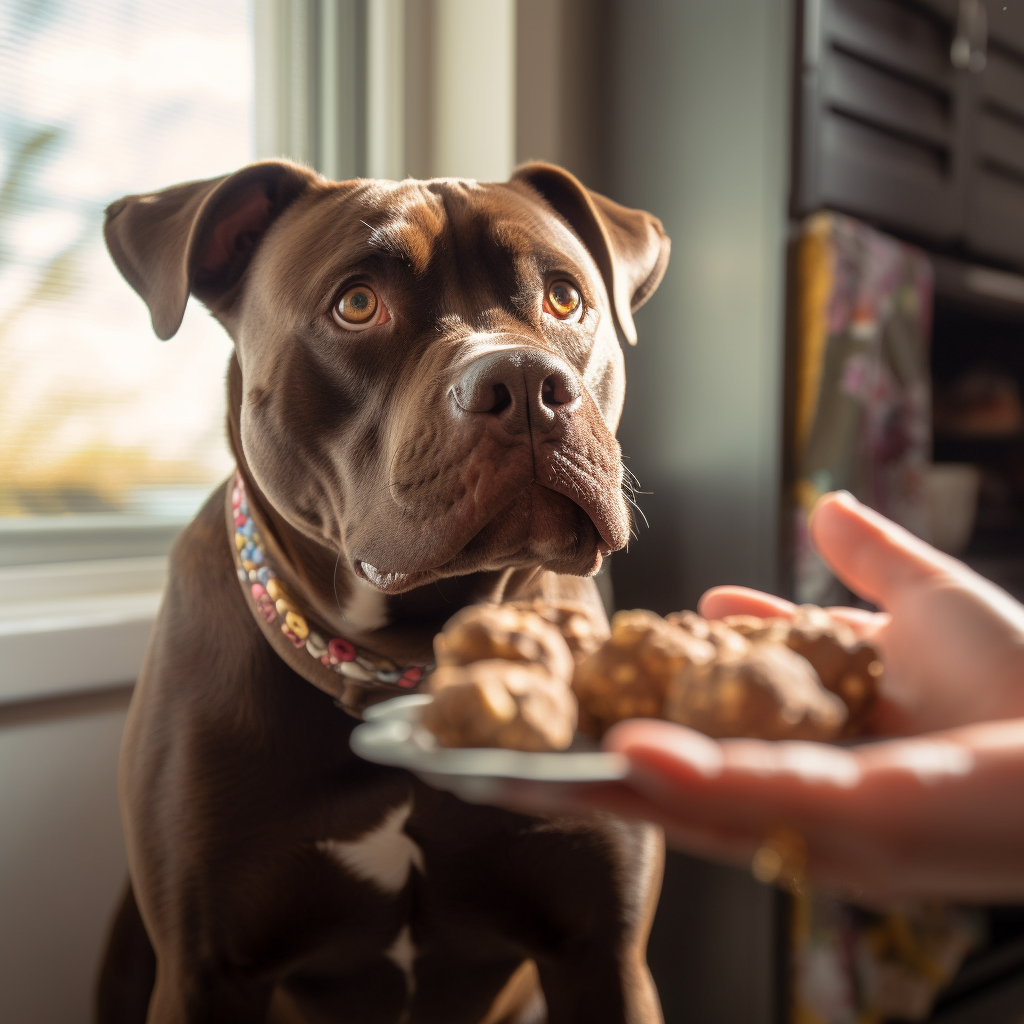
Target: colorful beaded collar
x,y
272,602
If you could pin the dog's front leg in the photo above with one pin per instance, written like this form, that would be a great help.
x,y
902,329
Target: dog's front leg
x,y
579,895
600,975
599,986
188,992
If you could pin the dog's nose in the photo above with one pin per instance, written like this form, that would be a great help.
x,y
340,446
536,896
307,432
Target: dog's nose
x,y
518,383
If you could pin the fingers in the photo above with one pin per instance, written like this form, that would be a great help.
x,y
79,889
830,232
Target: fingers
x,y
927,817
918,817
718,602
864,624
691,764
874,557
721,601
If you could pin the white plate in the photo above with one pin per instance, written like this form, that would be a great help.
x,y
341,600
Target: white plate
x,y
392,733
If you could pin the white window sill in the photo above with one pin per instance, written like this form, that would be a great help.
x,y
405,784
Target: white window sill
x,y
75,626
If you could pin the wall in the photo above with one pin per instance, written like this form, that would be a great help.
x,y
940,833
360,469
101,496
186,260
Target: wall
x,y
72,636
62,862
700,137
698,134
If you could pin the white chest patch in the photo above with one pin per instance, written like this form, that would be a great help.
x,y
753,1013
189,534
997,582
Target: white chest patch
x,y
403,953
383,856
366,607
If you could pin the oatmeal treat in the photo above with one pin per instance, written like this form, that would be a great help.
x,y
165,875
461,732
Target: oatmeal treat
x,y
774,678
499,703
849,667
769,692
504,670
629,676
487,631
580,630
728,642
502,680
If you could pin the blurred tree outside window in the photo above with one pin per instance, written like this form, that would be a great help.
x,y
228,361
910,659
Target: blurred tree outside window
x,y
100,98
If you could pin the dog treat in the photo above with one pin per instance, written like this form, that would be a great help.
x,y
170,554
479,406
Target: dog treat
x,y
498,703
769,692
579,628
755,686
629,675
845,665
487,631
502,681
504,671
728,642
804,678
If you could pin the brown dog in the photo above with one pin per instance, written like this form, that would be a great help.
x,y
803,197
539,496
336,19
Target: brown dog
x,y
422,405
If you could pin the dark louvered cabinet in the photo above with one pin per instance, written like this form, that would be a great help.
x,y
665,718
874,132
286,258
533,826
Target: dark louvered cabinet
x,y
995,194
891,131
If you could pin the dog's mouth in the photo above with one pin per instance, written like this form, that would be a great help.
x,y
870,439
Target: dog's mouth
x,y
392,582
539,527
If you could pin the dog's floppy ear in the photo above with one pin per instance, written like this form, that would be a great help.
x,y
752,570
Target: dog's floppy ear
x,y
630,247
198,237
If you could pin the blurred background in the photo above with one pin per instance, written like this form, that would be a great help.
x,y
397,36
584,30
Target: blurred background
x,y
843,182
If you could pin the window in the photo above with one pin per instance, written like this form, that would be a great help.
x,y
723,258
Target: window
x,y
99,98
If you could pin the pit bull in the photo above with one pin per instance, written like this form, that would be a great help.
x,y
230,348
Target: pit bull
x,y
422,404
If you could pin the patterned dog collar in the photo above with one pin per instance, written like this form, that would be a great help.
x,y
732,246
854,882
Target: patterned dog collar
x,y
274,604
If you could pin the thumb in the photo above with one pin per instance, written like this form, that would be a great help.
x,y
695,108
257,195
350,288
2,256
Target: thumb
x,y
873,556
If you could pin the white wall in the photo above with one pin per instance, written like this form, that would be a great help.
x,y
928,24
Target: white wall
x,y
62,862
432,92
474,89
72,637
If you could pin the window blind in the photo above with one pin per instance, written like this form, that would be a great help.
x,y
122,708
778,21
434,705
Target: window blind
x,y
100,98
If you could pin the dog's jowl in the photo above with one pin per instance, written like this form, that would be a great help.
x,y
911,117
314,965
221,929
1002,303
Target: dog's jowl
x,y
422,403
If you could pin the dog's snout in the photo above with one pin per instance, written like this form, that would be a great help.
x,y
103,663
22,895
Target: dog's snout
x,y
517,383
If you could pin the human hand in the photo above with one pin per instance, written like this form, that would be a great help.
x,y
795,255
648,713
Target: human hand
x,y
936,814
952,642
930,817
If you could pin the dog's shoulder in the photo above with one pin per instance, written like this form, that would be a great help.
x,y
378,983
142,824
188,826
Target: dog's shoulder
x,y
201,551
204,625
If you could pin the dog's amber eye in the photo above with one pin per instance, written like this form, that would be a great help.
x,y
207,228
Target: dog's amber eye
x,y
563,301
357,308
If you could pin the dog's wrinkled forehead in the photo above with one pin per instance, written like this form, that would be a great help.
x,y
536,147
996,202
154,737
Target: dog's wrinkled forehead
x,y
468,245
403,220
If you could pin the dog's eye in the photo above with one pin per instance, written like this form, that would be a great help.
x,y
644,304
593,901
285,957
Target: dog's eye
x,y
357,309
563,301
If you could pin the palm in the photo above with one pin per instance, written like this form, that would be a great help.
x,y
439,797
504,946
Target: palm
x,y
949,660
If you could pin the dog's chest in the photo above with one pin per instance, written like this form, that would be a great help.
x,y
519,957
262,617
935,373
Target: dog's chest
x,y
384,856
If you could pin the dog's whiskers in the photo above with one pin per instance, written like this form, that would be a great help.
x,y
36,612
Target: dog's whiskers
x,y
630,490
639,510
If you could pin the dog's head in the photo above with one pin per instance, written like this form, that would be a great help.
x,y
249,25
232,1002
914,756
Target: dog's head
x,y
431,375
